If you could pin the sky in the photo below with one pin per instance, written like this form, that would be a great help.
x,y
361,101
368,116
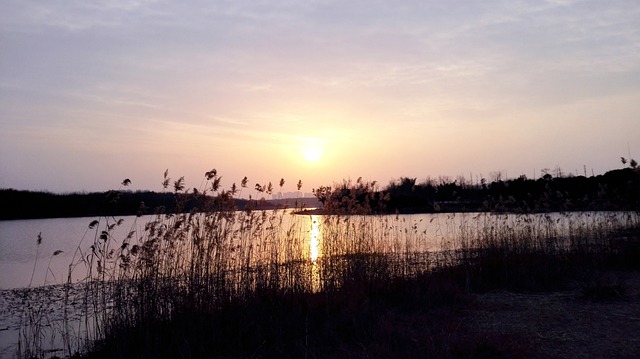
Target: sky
x,y
93,92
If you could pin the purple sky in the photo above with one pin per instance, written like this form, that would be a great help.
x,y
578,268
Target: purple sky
x,y
95,92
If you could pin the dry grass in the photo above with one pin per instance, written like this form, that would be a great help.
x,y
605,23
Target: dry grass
x,y
217,282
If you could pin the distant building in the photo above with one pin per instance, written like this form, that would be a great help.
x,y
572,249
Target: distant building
x,y
296,194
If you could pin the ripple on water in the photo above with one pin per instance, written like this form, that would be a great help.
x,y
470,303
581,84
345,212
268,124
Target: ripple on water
x,y
21,308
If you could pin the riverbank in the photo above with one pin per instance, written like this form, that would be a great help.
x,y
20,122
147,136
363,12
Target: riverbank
x,y
497,324
501,302
571,323
565,323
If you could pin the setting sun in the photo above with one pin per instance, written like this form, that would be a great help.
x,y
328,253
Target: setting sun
x,y
312,150
312,154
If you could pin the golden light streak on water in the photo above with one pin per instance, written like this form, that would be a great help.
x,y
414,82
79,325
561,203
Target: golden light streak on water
x,y
314,239
315,235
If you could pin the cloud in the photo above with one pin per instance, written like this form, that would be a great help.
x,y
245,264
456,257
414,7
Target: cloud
x,y
267,72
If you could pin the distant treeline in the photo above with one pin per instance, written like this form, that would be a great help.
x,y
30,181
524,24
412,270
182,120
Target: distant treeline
x,y
615,190
27,204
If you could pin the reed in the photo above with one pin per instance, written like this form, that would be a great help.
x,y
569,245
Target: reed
x,y
218,282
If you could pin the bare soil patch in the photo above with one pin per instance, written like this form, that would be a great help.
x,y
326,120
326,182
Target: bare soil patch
x,y
565,324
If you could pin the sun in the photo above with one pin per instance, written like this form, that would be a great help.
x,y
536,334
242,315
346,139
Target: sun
x,y
312,150
312,154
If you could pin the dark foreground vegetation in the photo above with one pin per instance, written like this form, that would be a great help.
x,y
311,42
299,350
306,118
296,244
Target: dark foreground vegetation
x,y
223,283
374,313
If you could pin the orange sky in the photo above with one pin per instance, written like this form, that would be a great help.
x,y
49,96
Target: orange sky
x,y
94,93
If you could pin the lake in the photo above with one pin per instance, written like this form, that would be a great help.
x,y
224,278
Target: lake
x,y
24,263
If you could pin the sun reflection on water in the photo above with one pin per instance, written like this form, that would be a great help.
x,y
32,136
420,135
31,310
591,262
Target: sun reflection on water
x,y
315,236
314,239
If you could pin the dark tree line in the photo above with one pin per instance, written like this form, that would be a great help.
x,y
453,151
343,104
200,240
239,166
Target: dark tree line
x,y
18,204
615,190
28,204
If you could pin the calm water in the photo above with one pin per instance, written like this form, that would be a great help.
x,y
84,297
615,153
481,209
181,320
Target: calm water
x,y
23,263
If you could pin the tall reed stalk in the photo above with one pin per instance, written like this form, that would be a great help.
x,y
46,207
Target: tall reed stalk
x,y
208,262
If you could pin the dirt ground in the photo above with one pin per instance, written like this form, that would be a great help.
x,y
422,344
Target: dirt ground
x,y
566,324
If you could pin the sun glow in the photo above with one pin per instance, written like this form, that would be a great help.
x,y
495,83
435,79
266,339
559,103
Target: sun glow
x,y
312,154
312,150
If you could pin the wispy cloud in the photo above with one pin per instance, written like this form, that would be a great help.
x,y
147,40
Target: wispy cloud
x,y
192,74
